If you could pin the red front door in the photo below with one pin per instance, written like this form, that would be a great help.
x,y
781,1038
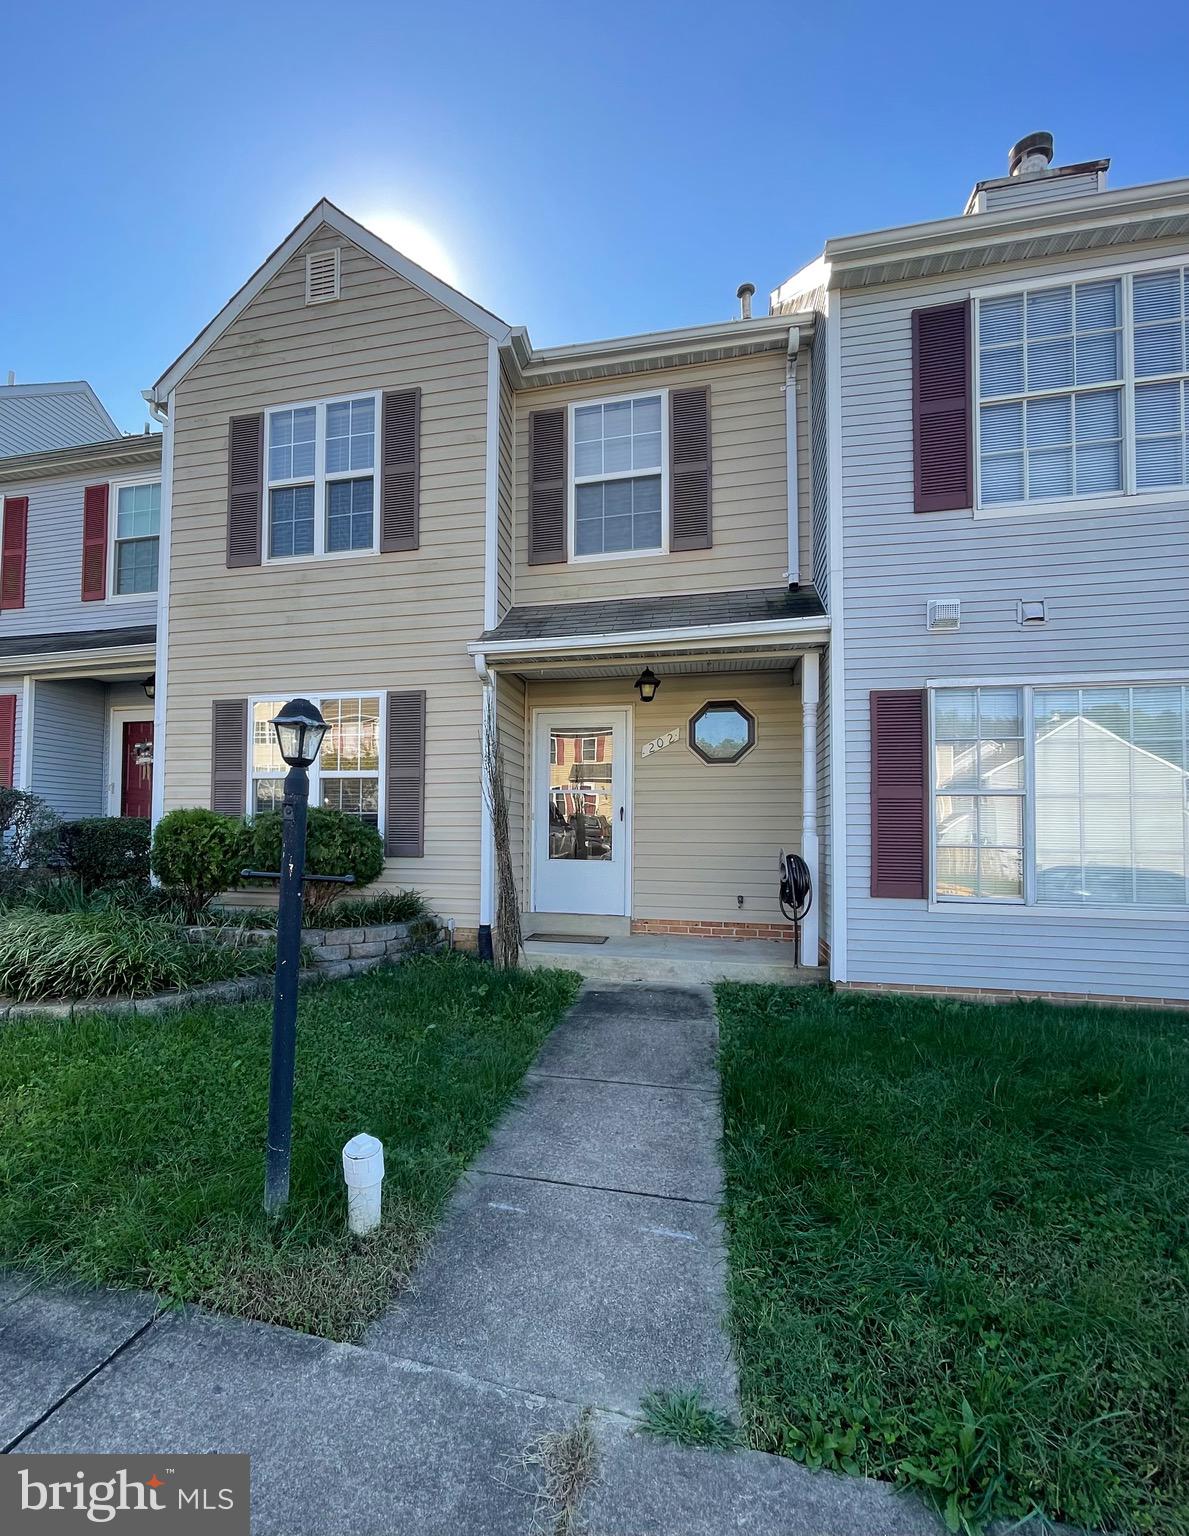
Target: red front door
x,y
136,783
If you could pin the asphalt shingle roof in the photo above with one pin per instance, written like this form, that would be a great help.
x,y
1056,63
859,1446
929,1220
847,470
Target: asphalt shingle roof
x,y
616,615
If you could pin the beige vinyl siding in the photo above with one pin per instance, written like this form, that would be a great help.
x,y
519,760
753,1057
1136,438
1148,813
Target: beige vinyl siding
x,y
355,623
513,744
750,487
507,498
706,833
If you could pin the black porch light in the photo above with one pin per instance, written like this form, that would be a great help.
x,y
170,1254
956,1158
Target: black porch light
x,y
150,686
300,729
647,684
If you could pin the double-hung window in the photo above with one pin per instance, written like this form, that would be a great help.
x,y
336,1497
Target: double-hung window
x,y
321,462
346,774
136,535
1071,795
618,488
1083,388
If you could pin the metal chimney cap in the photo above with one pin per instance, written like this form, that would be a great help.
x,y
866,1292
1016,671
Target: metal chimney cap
x,y
745,290
1032,144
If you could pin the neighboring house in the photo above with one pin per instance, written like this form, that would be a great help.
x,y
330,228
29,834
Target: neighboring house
x,y
78,610
1006,479
381,496
36,418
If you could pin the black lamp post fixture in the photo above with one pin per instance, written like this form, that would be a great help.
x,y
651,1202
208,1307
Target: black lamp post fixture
x,y
300,729
647,684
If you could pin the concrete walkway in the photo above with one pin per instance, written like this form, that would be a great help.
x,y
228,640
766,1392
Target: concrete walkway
x,y
582,1258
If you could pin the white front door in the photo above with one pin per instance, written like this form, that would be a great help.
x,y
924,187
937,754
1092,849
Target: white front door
x,y
581,816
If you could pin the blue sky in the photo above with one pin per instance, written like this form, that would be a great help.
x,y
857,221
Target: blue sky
x,y
587,171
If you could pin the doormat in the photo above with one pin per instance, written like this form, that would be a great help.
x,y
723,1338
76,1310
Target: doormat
x,y
567,938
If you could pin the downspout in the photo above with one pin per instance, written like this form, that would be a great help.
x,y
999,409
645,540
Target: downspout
x,y
790,445
486,830
161,659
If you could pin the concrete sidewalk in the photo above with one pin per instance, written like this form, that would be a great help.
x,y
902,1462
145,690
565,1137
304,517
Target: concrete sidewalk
x,y
582,1258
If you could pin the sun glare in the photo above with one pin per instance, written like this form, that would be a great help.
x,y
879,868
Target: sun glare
x,y
416,242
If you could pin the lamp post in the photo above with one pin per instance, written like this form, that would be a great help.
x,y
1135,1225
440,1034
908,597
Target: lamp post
x,y
300,729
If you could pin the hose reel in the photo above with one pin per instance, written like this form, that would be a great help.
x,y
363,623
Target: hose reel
x,y
796,895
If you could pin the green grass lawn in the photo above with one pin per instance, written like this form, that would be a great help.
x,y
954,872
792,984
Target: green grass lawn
x,y
959,1244
132,1149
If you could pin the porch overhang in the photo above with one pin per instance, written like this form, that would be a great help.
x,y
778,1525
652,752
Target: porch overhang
x,y
83,653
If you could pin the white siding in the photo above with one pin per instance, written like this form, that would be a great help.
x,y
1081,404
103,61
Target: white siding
x,y
1117,586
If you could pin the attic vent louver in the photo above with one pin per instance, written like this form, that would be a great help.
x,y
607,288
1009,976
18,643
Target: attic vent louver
x,y
322,275
943,613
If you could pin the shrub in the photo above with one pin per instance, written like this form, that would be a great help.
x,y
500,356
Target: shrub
x,y
385,907
107,953
28,836
336,844
106,851
198,853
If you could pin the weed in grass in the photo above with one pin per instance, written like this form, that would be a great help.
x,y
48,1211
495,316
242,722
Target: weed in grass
x,y
158,1128
959,1249
564,1463
684,1418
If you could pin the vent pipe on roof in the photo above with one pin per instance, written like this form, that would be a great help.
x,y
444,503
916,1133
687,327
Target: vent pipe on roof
x,y
12,378
743,293
1031,155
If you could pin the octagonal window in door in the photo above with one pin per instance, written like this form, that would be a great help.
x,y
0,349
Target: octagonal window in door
x,y
722,731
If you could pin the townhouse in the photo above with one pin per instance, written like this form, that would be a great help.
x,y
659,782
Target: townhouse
x,y
1007,473
383,497
80,508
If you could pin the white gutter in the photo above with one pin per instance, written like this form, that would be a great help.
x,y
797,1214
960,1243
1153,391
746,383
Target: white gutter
x,y
838,851
790,447
811,628
161,663
104,657
491,515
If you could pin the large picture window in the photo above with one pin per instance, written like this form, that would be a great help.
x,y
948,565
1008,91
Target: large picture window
x,y
1083,388
1070,795
321,462
346,774
619,449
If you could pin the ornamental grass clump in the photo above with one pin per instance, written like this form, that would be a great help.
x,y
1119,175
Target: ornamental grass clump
x,y
110,953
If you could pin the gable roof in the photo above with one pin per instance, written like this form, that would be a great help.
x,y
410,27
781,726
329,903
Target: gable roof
x,y
36,418
326,212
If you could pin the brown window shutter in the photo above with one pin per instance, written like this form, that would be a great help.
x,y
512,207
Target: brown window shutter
x,y
12,557
689,469
404,810
245,488
400,485
942,414
8,739
95,543
547,487
899,793
229,756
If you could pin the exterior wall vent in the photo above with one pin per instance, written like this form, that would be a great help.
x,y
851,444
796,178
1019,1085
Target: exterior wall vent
x,y
1031,611
943,614
322,275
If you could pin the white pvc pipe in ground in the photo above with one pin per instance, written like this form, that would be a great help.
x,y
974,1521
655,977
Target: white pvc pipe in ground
x,y
363,1169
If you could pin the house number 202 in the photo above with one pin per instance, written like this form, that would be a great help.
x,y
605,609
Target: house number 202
x,y
667,740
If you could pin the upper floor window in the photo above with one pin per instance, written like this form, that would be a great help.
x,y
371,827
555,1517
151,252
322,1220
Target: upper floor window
x,y
136,535
618,475
321,462
1083,388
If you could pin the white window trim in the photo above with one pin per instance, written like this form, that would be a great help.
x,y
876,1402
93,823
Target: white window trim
x,y
573,480
321,480
114,487
1172,495
1028,904
117,717
320,696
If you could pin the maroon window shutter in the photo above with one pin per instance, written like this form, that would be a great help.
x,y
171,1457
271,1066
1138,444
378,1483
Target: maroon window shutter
x,y
245,489
229,756
12,558
547,487
942,414
8,739
689,469
400,482
404,809
899,780
95,543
